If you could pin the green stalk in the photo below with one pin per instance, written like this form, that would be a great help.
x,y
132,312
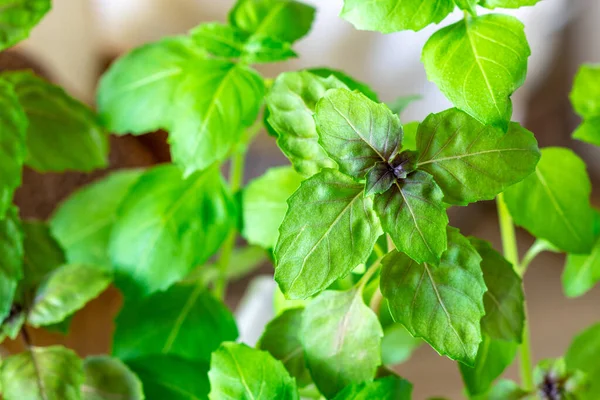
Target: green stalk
x,y
511,252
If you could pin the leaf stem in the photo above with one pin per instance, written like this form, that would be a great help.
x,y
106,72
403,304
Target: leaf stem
x,y
539,246
511,252
375,303
368,274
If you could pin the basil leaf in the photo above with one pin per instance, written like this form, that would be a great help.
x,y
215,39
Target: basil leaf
x,y
281,339
186,321
17,18
413,214
291,103
504,300
380,179
49,373
83,223
504,390
341,338
493,357
63,133
240,372
478,63
507,3
388,16
355,131
458,151
285,20
107,378
171,377
64,291
347,80
388,388
585,97
329,229
589,131
11,260
216,99
467,5
554,203
12,143
264,204
161,222
409,142
442,304
583,354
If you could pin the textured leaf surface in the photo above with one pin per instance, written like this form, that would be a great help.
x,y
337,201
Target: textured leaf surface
x,y
240,372
583,354
285,20
82,224
281,338
356,132
504,300
467,5
413,214
162,221
390,15
42,373
291,103
171,377
11,260
507,3
471,161
264,204
478,63
63,134
203,102
329,229
13,126
107,378
341,338
493,357
585,97
442,304
65,291
18,17
388,388
186,321
554,202
347,80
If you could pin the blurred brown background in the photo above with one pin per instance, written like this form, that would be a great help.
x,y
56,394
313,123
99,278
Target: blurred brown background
x,y
79,38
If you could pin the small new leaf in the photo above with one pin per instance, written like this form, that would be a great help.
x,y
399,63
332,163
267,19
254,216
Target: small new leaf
x,y
240,372
329,229
17,18
471,161
443,304
341,338
107,378
388,388
478,63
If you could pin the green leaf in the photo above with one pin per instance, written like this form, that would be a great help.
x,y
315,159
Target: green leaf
x,y
582,272
242,262
583,355
264,204
388,16
585,97
413,214
346,79
504,300
240,372
380,179
507,3
401,103
66,290
83,223
161,223
11,260
281,338
478,63
554,203
467,5
341,338
63,133
186,321
493,357
18,17
291,103
409,142
329,229
42,373
458,151
504,390
442,304
356,132
170,377
388,388
11,326
589,131
216,99
12,142
285,20
107,378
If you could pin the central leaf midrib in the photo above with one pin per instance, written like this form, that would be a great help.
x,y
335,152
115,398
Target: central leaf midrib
x,y
460,156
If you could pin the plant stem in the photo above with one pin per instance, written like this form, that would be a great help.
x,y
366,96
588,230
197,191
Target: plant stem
x,y
368,274
539,246
511,252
